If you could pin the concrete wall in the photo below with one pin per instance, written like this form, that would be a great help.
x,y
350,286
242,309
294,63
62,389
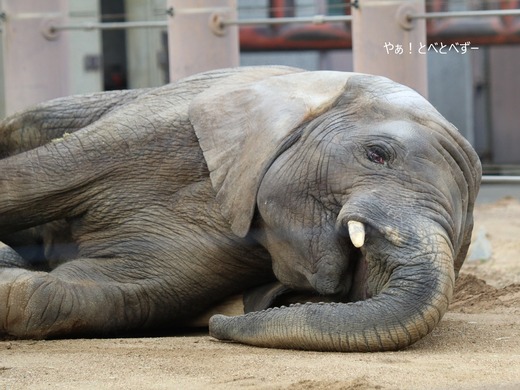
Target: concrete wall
x,y
450,84
504,90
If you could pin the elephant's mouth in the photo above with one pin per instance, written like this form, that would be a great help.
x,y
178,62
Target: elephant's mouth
x,y
364,242
359,286
277,294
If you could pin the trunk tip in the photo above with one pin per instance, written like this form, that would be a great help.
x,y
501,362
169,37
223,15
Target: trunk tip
x,y
217,327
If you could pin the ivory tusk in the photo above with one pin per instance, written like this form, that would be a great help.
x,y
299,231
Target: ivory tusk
x,y
356,231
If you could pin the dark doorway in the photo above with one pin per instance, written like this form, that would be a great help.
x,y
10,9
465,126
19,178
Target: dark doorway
x,y
114,46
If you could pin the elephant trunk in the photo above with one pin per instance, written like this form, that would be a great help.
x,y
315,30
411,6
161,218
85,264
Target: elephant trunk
x,y
412,302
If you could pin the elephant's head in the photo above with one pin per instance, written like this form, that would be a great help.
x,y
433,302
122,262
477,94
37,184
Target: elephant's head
x,y
357,187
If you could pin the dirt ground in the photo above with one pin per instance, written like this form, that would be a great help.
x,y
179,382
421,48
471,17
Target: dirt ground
x,y
476,346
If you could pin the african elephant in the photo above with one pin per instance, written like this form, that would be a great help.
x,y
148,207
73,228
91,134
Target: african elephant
x,y
129,211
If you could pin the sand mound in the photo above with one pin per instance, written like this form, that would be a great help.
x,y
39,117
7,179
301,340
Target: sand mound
x,y
474,295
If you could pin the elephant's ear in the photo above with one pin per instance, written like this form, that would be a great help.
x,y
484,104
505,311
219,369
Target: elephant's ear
x,y
241,126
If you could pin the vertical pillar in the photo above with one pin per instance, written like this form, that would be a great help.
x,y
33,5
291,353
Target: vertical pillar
x,y
196,43
385,43
35,61
145,46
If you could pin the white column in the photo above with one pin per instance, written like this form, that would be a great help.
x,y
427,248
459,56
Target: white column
x,y
35,65
195,41
384,43
144,46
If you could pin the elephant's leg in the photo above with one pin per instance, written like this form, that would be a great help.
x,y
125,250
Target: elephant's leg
x,y
9,258
59,180
84,297
34,128
51,120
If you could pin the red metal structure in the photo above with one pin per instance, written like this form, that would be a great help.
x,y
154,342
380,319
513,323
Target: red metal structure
x,y
479,31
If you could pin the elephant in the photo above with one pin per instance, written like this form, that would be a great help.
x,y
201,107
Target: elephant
x,y
333,209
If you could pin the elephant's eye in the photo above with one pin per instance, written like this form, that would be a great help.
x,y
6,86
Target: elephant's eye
x,y
377,155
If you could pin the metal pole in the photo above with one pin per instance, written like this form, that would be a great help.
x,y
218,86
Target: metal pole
x,y
316,19
197,40
35,66
109,26
385,43
500,179
463,14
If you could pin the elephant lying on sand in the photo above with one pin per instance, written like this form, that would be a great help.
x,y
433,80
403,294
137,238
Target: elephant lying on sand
x,y
136,210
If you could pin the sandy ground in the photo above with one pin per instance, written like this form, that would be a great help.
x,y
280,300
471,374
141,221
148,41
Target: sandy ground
x,y
476,346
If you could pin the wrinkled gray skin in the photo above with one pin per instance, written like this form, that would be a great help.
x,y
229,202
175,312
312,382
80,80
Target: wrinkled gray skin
x,y
130,211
